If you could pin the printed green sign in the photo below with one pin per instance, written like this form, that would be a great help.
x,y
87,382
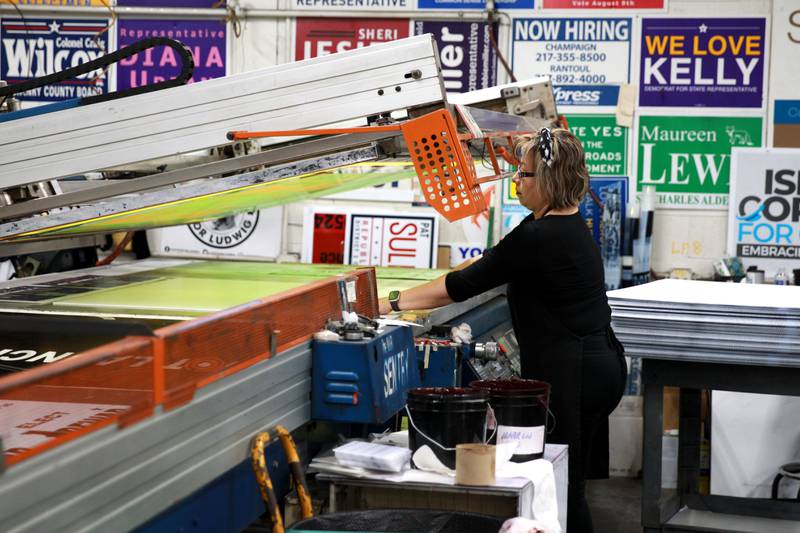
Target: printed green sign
x,y
688,159
605,143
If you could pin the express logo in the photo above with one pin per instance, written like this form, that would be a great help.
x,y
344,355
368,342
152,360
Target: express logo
x,y
226,232
576,96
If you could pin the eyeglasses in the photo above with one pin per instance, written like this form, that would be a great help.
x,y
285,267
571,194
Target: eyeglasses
x,y
525,174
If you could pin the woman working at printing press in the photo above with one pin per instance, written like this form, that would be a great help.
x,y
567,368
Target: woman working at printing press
x,y
558,305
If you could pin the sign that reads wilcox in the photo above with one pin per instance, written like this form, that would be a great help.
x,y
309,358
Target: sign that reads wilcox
x,y
688,158
605,143
764,215
716,62
585,57
32,48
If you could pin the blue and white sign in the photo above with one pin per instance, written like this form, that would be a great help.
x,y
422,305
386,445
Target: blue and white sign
x,y
586,57
474,4
468,60
763,213
32,48
512,216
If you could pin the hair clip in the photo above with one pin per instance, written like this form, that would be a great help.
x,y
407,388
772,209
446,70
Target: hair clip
x,y
545,144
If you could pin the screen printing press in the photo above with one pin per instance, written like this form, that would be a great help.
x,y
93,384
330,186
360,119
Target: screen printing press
x,y
131,392
84,441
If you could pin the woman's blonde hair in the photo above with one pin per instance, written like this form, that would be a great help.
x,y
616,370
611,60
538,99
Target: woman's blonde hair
x,y
565,181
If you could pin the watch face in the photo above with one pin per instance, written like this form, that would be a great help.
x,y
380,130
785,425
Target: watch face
x,y
394,295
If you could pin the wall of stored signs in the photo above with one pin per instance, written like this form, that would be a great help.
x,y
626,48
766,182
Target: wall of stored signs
x,y
660,91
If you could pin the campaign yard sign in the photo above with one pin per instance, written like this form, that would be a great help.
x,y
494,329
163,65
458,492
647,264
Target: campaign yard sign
x,y
705,62
206,39
687,158
604,143
36,47
316,37
391,240
586,57
474,4
468,60
764,215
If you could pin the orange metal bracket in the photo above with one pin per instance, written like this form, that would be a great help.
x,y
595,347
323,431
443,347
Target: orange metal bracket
x,y
442,160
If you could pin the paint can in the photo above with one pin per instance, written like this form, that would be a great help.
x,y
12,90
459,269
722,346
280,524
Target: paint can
x,y
443,417
521,408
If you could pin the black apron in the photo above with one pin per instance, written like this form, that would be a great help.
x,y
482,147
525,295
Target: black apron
x,y
555,355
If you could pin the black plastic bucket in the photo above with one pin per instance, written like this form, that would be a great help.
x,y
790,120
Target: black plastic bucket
x,y
520,407
443,417
402,521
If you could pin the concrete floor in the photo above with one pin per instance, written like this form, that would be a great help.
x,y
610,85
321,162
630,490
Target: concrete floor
x,y
615,504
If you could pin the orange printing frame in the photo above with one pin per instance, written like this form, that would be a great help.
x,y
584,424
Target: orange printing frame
x,y
92,390
441,157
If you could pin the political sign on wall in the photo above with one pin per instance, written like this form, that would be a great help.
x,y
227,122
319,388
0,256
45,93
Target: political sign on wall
x,y
707,62
353,5
604,4
687,158
251,235
468,60
786,124
474,4
206,39
402,240
355,236
323,36
512,216
764,214
784,82
171,3
605,143
36,47
59,3
586,57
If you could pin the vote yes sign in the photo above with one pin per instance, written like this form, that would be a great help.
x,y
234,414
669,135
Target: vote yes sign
x,y
604,142
708,62
688,158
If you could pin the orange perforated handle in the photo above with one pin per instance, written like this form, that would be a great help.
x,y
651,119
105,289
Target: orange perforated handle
x,y
444,168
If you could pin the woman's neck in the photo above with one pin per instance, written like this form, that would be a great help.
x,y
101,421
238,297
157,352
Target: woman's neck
x,y
546,211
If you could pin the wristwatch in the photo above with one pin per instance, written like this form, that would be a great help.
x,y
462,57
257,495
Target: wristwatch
x,y
394,300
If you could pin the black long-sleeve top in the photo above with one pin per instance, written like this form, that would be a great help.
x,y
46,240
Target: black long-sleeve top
x,y
553,260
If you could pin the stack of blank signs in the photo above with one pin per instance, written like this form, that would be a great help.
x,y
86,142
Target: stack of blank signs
x,y
709,322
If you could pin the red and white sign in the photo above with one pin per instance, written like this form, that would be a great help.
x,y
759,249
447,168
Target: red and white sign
x,y
389,240
323,36
604,4
328,240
